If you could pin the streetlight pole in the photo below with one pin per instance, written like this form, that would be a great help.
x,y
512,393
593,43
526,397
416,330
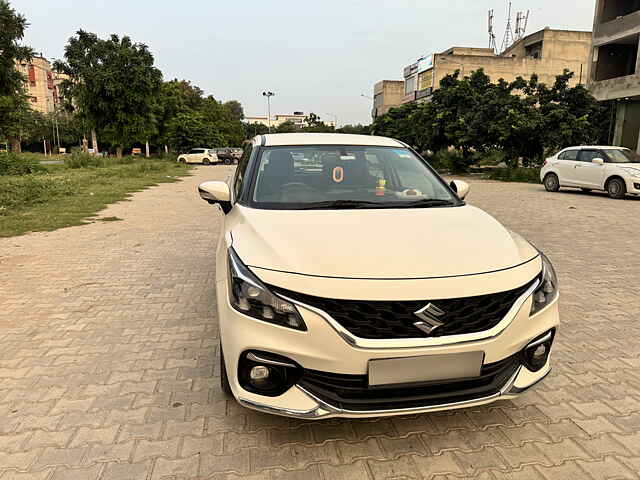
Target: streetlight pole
x,y
268,95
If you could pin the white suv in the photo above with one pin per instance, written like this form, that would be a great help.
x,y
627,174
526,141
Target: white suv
x,y
352,281
615,170
206,156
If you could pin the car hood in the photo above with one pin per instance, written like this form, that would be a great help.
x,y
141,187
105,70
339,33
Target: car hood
x,y
376,243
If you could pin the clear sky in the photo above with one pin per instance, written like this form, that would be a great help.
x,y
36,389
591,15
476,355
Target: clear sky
x,y
316,56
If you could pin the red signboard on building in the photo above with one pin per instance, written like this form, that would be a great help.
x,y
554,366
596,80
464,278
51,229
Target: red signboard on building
x,y
32,75
49,81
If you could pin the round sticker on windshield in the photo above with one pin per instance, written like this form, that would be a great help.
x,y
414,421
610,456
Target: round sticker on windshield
x,y
338,174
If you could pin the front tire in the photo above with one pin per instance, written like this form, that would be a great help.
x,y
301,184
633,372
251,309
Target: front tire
x,y
616,188
551,182
227,161
224,379
206,161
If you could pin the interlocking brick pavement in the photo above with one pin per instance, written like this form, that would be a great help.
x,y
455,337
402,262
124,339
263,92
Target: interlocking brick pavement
x,y
108,359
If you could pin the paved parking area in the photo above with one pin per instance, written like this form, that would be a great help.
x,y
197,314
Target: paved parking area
x,y
108,359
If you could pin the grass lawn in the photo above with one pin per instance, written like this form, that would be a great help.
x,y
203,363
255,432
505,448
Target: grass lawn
x,y
61,196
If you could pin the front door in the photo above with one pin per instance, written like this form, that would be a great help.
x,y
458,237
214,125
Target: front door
x,y
589,174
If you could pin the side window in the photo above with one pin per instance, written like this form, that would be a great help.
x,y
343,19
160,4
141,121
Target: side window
x,y
589,155
568,155
243,163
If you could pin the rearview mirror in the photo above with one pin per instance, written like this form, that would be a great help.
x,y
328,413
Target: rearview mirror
x,y
460,187
216,192
598,161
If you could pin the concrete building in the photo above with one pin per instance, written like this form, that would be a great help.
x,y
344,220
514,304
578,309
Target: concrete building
x,y
42,83
299,119
386,95
546,53
614,70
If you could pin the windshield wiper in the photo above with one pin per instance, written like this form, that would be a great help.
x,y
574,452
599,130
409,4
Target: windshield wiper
x,y
346,204
428,202
355,204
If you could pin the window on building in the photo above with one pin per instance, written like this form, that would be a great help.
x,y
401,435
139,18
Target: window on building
x,y
32,75
612,9
534,50
410,85
617,59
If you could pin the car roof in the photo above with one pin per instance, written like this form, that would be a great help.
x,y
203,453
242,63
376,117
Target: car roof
x,y
598,147
282,139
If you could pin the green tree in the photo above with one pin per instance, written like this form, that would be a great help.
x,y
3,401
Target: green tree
x,y
253,129
235,109
13,98
114,85
176,97
316,125
286,127
358,129
191,129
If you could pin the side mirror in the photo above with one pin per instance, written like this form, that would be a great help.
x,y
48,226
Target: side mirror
x,y
598,161
216,192
460,187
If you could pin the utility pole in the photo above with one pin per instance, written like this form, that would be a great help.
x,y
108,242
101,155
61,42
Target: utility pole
x,y
268,95
55,116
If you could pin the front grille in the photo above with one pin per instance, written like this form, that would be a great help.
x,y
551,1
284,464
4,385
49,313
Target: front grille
x,y
395,319
352,392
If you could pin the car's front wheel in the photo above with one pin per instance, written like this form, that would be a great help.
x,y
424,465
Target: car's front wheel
x,y
616,188
224,379
206,161
551,182
227,161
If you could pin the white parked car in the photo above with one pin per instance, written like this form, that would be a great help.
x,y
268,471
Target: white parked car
x,y
206,156
352,281
615,170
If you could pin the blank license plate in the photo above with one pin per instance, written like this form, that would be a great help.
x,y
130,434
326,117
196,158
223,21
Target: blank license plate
x,y
430,368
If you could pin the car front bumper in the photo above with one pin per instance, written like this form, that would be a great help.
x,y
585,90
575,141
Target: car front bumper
x,y
323,349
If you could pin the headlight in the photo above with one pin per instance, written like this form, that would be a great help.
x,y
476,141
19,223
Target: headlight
x,y
632,172
250,296
548,288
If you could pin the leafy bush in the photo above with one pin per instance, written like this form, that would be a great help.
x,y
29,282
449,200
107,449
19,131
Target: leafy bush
x,y
19,164
32,190
85,160
448,161
520,174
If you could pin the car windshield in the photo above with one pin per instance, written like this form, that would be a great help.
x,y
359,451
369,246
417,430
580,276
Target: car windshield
x,y
341,177
622,156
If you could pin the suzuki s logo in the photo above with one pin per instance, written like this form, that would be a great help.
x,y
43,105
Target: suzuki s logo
x,y
429,316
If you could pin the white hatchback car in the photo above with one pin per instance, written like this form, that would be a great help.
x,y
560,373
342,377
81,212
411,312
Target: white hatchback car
x,y
205,156
352,281
615,170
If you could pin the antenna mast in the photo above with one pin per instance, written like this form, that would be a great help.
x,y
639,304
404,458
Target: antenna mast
x,y
508,39
492,35
522,19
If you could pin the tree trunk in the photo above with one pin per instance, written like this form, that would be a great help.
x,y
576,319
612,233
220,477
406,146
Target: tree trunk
x,y
94,142
119,151
15,144
85,145
147,150
166,150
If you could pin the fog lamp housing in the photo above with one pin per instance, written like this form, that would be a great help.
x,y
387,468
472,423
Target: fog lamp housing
x,y
536,353
268,374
